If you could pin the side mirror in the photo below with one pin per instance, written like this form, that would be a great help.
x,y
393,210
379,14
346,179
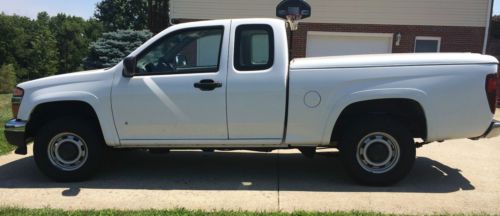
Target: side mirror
x,y
129,64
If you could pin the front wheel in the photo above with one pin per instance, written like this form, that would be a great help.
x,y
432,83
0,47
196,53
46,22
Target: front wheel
x,y
377,150
68,149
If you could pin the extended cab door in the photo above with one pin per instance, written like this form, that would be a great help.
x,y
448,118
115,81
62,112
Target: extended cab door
x,y
257,80
179,91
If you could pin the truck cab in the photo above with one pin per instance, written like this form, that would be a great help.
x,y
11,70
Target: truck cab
x,y
212,82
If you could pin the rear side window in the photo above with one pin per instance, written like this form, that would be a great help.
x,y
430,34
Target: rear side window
x,y
254,47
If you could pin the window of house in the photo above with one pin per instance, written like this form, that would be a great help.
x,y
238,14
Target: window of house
x,y
254,47
427,44
187,51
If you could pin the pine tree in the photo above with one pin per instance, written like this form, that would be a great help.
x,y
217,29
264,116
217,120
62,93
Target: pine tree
x,y
112,47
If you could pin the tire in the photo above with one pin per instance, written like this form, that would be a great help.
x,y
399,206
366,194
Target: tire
x,y
377,150
69,149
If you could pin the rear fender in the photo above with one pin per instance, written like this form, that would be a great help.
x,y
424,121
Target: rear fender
x,y
366,95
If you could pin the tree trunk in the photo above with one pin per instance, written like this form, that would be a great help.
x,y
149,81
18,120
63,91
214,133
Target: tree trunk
x,y
158,15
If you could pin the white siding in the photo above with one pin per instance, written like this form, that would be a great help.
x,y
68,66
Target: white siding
x,y
396,12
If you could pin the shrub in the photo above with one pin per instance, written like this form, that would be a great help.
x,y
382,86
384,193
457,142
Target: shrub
x,y
7,78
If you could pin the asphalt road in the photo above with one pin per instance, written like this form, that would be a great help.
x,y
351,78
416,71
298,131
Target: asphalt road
x,y
460,176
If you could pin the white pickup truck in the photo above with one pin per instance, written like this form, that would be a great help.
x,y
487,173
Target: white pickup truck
x,y
229,84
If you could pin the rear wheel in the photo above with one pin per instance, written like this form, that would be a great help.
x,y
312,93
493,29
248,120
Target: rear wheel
x,y
377,150
68,149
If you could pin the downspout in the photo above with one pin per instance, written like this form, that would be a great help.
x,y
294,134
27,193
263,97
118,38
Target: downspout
x,y
488,23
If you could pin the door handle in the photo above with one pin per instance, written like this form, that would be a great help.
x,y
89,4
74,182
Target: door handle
x,y
207,85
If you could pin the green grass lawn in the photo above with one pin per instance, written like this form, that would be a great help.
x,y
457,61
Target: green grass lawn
x,y
177,212
5,115
183,212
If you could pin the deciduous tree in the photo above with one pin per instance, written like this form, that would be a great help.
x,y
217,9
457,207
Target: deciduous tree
x,y
44,54
122,14
72,42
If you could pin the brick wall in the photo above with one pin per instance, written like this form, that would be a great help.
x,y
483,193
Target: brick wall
x,y
453,38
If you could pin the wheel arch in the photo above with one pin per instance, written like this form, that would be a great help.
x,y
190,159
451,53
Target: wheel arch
x,y
407,111
344,103
44,112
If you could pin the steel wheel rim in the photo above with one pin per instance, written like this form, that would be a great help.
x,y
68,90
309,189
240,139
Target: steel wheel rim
x,y
365,148
67,140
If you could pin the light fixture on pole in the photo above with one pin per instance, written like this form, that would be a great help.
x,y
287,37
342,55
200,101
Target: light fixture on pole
x,y
398,38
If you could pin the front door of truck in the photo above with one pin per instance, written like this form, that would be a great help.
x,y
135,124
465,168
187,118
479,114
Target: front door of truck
x,y
178,91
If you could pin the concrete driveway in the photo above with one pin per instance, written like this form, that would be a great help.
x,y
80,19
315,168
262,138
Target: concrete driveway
x,y
455,176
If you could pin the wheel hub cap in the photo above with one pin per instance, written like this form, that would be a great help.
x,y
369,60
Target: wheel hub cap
x,y
67,151
378,152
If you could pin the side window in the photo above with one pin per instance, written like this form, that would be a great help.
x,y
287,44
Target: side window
x,y
254,47
427,44
186,51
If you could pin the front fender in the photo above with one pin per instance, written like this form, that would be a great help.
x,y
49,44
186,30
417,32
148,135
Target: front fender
x,y
340,105
31,101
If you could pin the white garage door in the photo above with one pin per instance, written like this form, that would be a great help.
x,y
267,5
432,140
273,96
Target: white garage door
x,y
340,43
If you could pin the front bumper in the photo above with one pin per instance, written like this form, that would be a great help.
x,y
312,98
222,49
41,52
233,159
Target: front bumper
x,y
493,130
15,134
